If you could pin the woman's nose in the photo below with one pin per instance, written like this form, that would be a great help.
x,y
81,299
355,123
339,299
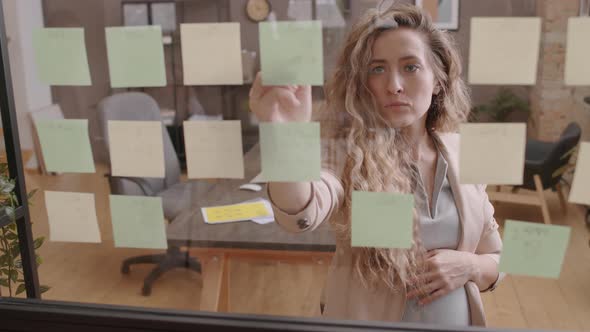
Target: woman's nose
x,y
394,85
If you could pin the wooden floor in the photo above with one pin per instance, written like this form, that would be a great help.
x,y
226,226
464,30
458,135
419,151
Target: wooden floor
x,y
90,272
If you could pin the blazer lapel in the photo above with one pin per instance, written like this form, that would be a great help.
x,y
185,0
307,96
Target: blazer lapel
x,y
453,177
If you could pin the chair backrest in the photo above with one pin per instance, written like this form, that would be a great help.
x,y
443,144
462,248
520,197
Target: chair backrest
x,y
136,106
560,154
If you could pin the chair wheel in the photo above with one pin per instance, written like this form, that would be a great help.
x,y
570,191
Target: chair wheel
x,y
125,269
146,290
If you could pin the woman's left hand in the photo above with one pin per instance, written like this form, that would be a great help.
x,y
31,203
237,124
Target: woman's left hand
x,y
446,270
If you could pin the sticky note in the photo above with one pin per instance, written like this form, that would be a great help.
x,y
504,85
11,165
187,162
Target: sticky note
x,y
214,149
211,53
136,148
60,56
72,217
577,71
533,249
291,53
580,191
136,56
504,50
237,212
492,153
290,151
382,220
65,145
138,222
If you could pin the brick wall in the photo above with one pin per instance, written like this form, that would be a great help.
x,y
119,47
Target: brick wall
x,y
553,104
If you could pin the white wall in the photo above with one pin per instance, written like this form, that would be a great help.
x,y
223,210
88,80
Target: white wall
x,y
21,17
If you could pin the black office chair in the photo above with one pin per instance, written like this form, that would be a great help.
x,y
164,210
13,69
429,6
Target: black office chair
x,y
545,164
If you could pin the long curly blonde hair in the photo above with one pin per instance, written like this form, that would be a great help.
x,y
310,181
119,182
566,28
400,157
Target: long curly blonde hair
x,y
378,157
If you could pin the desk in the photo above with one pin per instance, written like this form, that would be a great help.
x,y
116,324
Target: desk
x,y
214,245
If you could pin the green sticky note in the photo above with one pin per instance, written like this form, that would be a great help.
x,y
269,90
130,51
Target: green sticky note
x,y
533,249
138,222
65,145
136,56
60,56
291,53
382,220
290,152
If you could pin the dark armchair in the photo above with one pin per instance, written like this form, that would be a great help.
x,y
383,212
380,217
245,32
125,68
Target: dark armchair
x,y
545,165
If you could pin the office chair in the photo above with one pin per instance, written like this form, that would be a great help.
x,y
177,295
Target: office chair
x,y
545,164
135,106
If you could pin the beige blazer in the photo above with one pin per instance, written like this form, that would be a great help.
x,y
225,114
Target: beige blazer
x,y
344,296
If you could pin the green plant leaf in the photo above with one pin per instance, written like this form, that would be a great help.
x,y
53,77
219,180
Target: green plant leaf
x,y
39,242
6,185
11,236
13,275
18,264
9,210
5,271
21,288
39,260
44,288
4,282
32,193
15,250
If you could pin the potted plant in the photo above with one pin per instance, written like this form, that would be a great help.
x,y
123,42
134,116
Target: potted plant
x,y
11,269
501,107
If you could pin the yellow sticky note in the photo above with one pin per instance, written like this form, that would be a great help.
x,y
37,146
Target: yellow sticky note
x,y
504,50
72,217
214,149
235,212
580,192
577,71
492,153
136,148
211,53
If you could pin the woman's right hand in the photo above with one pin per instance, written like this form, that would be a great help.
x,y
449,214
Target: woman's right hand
x,y
284,103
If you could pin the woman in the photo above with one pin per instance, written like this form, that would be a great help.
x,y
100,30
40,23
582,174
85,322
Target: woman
x,y
392,106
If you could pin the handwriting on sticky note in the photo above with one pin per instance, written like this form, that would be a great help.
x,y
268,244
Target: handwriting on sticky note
x,y
136,56
290,151
489,63
138,222
580,191
236,212
136,148
533,249
60,56
65,145
284,60
72,217
492,153
211,53
382,220
214,149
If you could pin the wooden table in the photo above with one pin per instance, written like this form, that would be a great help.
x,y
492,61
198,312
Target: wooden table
x,y
214,245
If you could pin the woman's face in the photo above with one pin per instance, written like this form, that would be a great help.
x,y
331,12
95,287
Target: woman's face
x,y
401,77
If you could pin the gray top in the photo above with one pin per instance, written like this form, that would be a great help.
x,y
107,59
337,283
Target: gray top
x,y
439,229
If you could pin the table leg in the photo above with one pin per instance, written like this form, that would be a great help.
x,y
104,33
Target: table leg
x,y
215,293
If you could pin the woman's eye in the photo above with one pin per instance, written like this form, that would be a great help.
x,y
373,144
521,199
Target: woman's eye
x,y
412,68
377,70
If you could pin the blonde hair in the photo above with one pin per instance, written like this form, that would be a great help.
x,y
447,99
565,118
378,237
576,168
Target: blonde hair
x,y
377,156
